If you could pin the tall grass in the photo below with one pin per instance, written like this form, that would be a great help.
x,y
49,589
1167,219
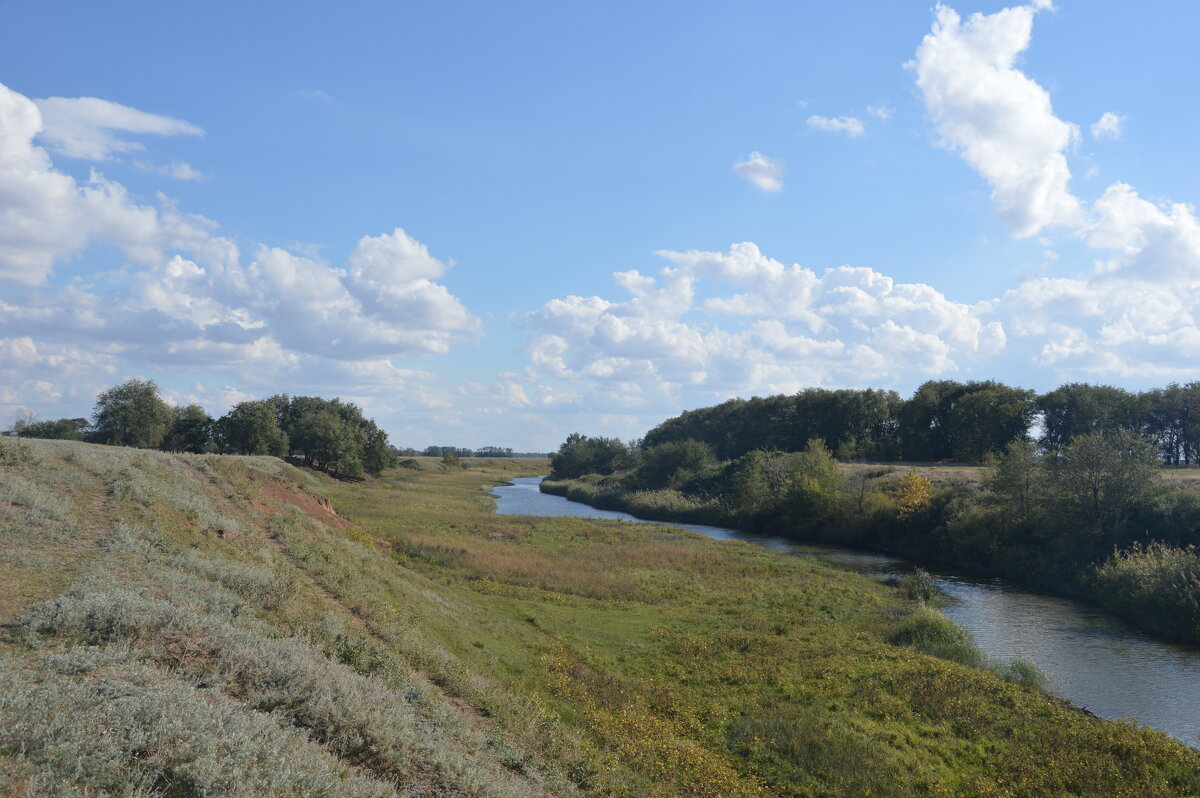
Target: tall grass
x,y
1157,584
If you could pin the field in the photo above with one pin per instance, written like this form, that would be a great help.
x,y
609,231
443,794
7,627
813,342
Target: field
x,y
201,625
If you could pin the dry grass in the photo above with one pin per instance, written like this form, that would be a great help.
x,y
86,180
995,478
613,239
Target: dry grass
x,y
415,642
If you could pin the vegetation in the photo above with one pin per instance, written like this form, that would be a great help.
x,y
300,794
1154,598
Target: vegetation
x,y
1095,519
208,625
943,420
329,434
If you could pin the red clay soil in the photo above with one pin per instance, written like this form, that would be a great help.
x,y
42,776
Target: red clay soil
x,y
276,492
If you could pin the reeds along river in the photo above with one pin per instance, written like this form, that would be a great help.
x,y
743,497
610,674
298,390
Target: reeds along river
x,y
1088,656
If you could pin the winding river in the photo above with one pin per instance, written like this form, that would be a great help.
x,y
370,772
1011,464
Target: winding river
x,y
1087,655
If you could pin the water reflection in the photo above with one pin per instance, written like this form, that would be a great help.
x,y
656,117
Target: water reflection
x,y
1095,660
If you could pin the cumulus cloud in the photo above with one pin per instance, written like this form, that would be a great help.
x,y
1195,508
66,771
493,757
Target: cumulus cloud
x,y
881,111
1135,313
766,327
996,117
1108,126
849,125
181,298
46,215
88,127
764,172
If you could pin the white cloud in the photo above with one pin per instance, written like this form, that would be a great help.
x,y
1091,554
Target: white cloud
x,y
46,215
1108,126
764,172
849,125
181,300
768,328
86,127
178,170
996,117
881,111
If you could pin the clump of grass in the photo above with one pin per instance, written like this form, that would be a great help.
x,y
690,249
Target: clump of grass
x,y
1023,672
918,585
930,632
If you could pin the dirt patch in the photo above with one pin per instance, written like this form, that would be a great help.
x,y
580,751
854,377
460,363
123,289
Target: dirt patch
x,y
276,492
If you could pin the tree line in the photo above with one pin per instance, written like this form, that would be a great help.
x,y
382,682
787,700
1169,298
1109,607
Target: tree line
x,y
944,420
328,434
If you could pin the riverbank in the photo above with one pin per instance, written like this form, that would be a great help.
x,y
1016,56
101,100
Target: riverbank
x,y
1156,587
395,636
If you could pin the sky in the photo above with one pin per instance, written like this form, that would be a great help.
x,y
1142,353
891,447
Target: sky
x,y
500,223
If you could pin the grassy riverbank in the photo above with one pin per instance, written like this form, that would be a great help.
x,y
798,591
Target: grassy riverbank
x,y
190,625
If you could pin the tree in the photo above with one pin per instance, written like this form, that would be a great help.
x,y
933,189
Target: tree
x,y
67,429
674,463
579,455
913,494
190,430
131,414
1101,477
1013,482
813,492
1077,408
253,428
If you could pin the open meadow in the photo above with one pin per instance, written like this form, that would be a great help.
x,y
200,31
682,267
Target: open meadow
x,y
185,625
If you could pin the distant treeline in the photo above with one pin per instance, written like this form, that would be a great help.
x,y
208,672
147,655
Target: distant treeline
x,y
328,434
943,420
458,451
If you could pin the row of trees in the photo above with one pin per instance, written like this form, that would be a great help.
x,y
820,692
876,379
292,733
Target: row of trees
x,y
328,434
944,420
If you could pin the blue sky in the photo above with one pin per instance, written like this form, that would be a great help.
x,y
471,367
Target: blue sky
x,y
451,213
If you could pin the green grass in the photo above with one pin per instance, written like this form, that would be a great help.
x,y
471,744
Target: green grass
x,y
416,643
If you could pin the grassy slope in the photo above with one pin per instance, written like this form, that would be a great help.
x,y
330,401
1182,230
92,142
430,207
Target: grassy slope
x,y
484,655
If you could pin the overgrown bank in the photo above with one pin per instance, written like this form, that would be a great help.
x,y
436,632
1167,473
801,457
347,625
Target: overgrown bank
x,y
216,625
1099,521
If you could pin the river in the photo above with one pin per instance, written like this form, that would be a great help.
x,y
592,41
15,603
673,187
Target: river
x,y
1088,656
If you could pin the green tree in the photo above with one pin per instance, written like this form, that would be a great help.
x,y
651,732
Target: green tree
x,y
190,430
1100,478
67,429
674,463
1077,408
253,428
814,485
579,455
131,414
1014,482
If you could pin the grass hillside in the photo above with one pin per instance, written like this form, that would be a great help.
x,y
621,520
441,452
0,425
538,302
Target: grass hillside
x,y
185,625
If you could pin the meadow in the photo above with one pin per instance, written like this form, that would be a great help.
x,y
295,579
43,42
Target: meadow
x,y
186,625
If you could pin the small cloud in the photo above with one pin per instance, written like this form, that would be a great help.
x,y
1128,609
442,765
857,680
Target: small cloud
x,y
1092,171
849,125
178,170
801,103
314,94
764,172
882,111
83,127
1108,126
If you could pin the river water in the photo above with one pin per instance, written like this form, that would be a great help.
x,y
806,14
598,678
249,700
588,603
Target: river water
x,y
1088,656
